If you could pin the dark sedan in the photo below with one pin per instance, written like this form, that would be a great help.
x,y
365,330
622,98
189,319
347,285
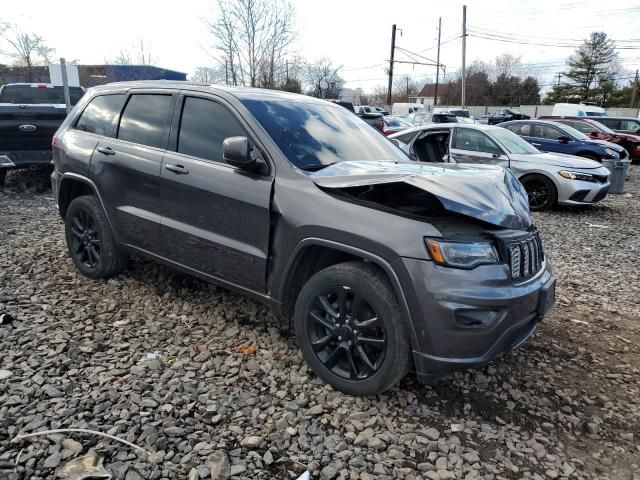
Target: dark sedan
x,y
506,115
560,138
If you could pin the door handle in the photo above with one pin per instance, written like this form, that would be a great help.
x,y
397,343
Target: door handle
x,y
179,169
106,150
536,144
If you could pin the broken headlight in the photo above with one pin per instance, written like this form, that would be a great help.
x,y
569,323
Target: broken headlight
x,y
462,254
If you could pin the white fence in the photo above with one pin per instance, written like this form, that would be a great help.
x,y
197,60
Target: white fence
x,y
540,110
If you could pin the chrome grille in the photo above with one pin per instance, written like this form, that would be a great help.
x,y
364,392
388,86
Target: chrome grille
x,y
525,256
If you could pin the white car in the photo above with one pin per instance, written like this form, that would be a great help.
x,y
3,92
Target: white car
x,y
549,178
577,110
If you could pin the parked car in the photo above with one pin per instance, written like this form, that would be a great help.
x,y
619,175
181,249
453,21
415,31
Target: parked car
x,y
458,112
598,131
366,109
348,105
506,115
577,110
30,113
404,109
441,118
381,110
548,178
296,203
620,124
394,124
549,136
484,119
417,118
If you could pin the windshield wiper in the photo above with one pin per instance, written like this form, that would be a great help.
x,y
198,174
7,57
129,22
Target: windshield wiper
x,y
315,168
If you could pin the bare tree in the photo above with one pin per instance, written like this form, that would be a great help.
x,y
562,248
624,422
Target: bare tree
x,y
323,79
252,36
404,87
25,48
208,75
137,54
507,65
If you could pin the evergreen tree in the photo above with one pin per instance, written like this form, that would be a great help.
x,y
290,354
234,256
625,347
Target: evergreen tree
x,y
590,67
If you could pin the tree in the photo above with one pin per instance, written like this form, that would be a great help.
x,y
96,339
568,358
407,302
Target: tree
x,y
208,75
592,64
25,48
323,79
137,54
403,88
252,36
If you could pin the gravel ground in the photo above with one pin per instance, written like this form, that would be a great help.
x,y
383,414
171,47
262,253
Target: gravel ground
x,y
168,363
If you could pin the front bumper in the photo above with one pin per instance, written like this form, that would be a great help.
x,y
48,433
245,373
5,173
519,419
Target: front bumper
x,y
579,192
25,158
441,299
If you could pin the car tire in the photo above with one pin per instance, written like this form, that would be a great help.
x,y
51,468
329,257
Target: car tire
x,y
90,239
590,156
350,329
541,191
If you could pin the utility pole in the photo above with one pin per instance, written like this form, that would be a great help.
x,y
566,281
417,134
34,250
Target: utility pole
x,y
559,75
65,84
226,72
634,91
393,47
435,93
287,64
464,54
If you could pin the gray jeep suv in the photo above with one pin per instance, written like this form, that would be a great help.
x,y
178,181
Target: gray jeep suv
x,y
380,264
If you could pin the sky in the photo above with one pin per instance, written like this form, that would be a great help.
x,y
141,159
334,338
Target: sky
x,y
355,34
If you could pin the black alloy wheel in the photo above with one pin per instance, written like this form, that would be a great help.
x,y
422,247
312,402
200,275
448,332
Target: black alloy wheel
x,y
351,330
541,192
85,239
90,241
346,333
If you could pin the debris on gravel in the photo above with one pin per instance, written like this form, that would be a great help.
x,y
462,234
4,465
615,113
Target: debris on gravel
x,y
152,357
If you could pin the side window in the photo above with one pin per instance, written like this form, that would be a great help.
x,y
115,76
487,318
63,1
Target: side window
x,y
514,128
203,127
629,125
98,116
581,127
406,138
545,131
472,140
143,120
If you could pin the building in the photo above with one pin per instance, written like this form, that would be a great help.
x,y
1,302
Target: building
x,y
91,75
426,96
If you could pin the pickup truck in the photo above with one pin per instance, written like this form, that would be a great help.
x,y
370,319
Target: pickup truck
x,y
506,115
30,113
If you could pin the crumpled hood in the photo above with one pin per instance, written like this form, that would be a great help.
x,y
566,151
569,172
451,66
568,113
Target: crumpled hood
x,y
488,193
558,160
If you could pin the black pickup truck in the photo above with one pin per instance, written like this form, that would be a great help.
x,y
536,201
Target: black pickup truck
x,y
30,113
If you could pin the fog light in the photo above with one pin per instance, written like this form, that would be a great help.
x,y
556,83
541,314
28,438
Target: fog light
x,y
469,318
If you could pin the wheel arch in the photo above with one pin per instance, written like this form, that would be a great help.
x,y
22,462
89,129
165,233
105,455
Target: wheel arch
x,y
314,254
72,186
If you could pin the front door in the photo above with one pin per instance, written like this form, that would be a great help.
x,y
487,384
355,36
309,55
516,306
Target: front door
x,y
216,218
547,138
474,146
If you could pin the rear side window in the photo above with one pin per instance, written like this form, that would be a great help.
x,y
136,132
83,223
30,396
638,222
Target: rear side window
x,y
204,126
98,116
631,125
144,118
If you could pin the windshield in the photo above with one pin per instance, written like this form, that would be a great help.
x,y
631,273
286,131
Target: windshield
x,y
512,142
572,131
32,95
596,114
601,127
313,136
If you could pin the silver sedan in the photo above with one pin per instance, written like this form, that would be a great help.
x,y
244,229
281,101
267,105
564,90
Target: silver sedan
x,y
549,178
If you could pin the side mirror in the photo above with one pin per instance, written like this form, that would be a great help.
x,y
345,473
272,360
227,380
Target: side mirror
x,y
395,142
593,134
564,139
237,152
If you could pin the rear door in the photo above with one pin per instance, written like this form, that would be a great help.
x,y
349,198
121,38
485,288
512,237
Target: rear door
x,y
216,219
127,168
474,146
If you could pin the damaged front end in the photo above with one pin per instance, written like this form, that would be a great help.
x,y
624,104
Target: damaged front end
x,y
485,193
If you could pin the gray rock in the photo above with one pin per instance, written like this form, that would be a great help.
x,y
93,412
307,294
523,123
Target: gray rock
x,y
218,464
53,460
71,445
252,442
